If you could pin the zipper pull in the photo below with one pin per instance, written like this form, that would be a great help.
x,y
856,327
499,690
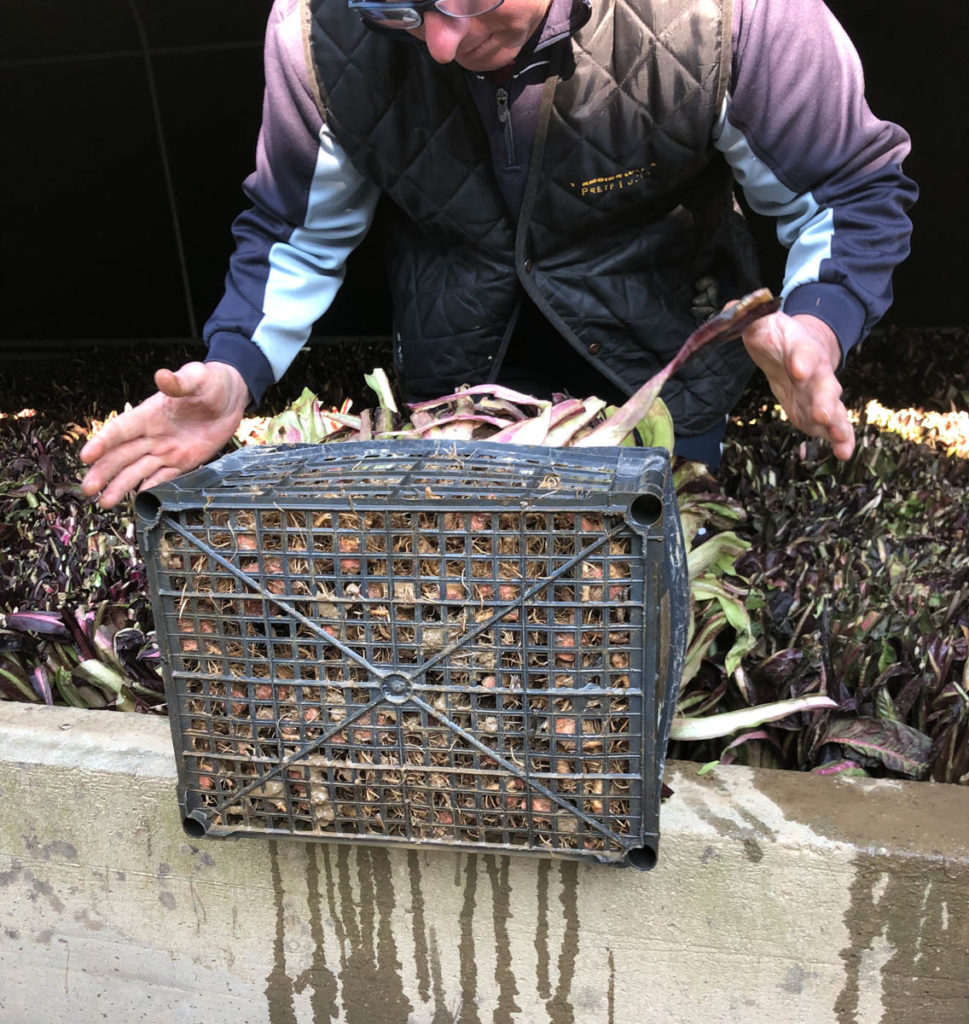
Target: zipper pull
x,y
501,96
504,119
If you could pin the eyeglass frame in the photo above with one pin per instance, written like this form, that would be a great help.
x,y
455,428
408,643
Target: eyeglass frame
x,y
416,7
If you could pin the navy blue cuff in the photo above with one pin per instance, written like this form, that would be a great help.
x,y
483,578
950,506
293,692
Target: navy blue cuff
x,y
246,357
836,306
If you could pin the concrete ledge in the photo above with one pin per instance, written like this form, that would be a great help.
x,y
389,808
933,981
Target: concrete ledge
x,y
778,897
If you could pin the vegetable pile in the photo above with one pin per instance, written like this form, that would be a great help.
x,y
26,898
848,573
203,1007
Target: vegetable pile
x,y
810,578
494,413
857,584
75,622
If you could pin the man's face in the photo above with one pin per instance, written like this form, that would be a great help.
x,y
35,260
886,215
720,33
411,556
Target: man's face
x,y
485,43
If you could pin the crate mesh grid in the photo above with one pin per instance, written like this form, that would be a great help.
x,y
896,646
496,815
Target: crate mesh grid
x,y
424,648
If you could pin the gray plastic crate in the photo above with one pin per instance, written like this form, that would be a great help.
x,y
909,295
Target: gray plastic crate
x,y
457,644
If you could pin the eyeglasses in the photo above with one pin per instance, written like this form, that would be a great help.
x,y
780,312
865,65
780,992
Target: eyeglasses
x,y
394,14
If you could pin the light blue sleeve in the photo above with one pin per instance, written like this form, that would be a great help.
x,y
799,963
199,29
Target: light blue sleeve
x,y
807,150
310,209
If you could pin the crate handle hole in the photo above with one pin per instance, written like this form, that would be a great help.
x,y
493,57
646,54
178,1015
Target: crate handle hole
x,y
646,510
643,858
147,508
193,828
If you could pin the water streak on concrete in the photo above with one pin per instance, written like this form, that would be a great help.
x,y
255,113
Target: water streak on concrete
x,y
279,986
442,1015
418,929
543,984
323,983
389,971
343,910
730,829
331,902
926,972
501,911
372,989
468,1011
560,1008
900,912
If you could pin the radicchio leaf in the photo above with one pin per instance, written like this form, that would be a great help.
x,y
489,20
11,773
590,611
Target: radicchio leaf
x,y
895,745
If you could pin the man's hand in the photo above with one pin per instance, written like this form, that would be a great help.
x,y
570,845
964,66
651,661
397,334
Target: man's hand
x,y
799,355
195,411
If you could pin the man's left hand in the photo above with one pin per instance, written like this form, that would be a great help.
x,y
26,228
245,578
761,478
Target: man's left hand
x,y
799,355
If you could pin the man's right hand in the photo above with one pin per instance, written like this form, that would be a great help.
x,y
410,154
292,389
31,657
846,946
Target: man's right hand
x,y
191,417
799,356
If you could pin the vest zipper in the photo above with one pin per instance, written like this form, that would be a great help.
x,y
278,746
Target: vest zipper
x,y
504,118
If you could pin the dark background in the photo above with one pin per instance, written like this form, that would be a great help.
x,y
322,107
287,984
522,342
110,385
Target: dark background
x,y
128,126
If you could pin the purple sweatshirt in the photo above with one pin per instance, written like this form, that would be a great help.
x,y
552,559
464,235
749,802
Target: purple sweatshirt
x,y
795,129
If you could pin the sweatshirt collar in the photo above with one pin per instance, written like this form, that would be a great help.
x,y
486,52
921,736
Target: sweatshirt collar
x,y
564,18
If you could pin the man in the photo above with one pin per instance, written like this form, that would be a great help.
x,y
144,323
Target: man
x,y
557,182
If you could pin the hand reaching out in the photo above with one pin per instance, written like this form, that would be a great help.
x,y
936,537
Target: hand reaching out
x,y
195,411
799,355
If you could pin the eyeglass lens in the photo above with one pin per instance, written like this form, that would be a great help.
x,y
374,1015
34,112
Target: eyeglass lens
x,y
411,16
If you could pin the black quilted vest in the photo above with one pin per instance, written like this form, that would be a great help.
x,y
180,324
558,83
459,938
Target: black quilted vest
x,y
627,204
